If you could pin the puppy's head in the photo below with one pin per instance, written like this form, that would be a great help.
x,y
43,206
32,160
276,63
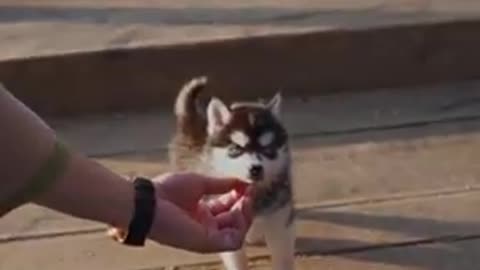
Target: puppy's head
x,y
247,140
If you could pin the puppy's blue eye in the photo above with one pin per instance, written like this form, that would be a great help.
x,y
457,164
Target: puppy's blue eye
x,y
235,151
270,152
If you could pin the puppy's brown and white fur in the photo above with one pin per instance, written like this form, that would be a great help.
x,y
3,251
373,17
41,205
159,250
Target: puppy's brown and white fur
x,y
245,140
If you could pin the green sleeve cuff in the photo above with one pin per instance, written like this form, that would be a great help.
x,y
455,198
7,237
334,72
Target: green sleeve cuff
x,y
51,170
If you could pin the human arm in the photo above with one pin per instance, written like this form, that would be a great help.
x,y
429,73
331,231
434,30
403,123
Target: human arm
x,y
27,142
88,190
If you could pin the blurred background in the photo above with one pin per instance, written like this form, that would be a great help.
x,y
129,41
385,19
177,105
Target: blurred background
x,y
382,102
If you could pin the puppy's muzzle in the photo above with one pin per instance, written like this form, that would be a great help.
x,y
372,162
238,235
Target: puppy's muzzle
x,y
256,172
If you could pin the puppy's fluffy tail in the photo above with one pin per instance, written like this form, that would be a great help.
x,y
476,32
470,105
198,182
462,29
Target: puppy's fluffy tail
x,y
187,104
188,110
190,115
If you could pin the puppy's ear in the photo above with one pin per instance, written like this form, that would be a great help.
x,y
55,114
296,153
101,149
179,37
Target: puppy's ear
x,y
218,115
274,105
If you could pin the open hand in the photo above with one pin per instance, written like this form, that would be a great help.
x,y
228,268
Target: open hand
x,y
184,220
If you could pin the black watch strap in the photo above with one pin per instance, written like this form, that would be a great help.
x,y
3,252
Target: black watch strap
x,y
144,212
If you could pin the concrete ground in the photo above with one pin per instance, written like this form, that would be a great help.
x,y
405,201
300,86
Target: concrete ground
x,y
386,179
34,28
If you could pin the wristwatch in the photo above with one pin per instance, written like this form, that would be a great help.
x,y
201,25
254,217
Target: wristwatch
x,y
143,214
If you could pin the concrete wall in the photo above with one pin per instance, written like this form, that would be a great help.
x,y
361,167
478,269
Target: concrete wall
x,y
298,64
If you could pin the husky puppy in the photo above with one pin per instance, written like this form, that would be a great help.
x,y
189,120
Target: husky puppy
x,y
245,140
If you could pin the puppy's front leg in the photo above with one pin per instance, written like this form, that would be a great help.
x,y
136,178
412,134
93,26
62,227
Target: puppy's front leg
x,y
280,238
256,235
236,260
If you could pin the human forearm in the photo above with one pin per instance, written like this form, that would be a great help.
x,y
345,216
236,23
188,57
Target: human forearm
x,y
83,189
88,190
26,142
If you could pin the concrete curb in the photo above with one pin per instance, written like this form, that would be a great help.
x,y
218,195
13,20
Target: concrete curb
x,y
298,64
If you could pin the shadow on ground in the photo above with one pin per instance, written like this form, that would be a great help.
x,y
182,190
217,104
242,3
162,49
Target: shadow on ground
x,y
462,254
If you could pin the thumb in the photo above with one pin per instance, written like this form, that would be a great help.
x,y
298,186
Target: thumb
x,y
229,234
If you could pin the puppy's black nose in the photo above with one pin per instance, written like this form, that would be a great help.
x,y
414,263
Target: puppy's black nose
x,y
256,172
